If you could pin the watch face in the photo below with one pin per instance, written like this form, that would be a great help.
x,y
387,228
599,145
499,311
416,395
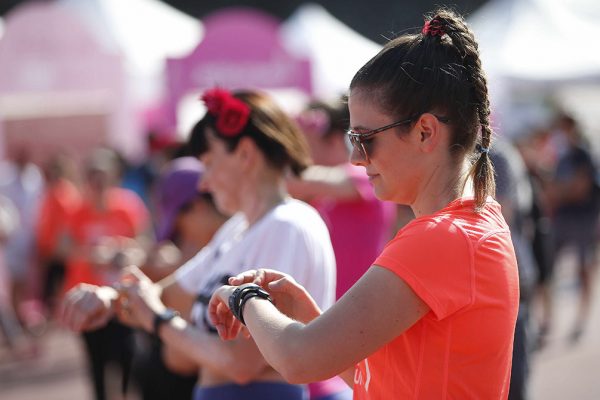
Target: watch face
x,y
168,314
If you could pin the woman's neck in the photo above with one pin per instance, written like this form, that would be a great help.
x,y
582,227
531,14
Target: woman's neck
x,y
262,196
443,185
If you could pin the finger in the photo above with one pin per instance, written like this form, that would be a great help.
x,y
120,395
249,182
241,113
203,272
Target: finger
x,y
222,331
245,332
219,318
236,328
266,276
124,312
65,310
224,318
70,307
283,285
260,278
233,326
98,319
244,277
78,313
133,274
84,310
95,324
213,306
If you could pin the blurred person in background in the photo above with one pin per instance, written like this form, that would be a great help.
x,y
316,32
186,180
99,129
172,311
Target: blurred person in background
x,y
359,223
537,163
107,219
187,221
251,146
59,202
574,197
141,175
21,181
10,325
514,193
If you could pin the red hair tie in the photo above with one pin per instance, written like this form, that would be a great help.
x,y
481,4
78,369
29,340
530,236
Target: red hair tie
x,y
433,28
231,113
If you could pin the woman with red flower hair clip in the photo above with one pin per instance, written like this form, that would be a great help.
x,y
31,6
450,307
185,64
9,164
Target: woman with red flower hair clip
x,y
248,146
434,315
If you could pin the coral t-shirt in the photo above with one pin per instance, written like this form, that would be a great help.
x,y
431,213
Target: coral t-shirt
x,y
462,265
125,216
60,202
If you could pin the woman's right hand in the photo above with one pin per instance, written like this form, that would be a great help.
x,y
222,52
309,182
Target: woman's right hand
x,y
87,307
289,296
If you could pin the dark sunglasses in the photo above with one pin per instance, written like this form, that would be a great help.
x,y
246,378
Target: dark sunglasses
x,y
363,141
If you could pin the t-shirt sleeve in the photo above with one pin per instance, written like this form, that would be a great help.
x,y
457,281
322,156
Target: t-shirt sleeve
x,y
189,276
435,260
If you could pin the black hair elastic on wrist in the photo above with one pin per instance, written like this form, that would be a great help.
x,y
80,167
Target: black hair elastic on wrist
x,y
243,293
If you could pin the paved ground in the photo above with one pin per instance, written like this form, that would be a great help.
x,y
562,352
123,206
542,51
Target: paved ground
x,y
559,371
563,370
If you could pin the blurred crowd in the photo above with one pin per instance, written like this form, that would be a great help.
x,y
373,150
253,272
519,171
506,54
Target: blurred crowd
x,y
62,224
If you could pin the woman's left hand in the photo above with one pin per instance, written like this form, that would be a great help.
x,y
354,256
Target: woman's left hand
x,y
221,316
138,303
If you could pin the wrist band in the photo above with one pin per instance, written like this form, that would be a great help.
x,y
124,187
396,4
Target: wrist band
x,y
162,318
241,295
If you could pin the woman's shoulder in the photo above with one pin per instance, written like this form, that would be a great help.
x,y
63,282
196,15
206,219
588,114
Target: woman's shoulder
x,y
459,226
438,224
294,214
236,224
294,210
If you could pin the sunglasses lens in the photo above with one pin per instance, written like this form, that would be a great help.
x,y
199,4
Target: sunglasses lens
x,y
357,145
367,147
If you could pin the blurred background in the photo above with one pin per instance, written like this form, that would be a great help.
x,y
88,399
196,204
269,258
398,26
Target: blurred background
x,y
93,87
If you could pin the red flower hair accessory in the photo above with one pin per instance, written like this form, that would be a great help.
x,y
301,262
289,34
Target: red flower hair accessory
x,y
231,113
433,28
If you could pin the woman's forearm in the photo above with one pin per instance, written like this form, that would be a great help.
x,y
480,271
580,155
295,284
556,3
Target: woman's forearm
x,y
239,360
290,347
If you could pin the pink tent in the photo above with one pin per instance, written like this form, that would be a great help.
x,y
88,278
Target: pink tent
x,y
60,90
241,49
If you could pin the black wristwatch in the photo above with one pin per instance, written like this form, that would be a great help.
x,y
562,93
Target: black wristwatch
x,y
161,318
243,293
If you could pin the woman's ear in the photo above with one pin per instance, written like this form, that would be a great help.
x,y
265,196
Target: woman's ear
x,y
246,151
429,128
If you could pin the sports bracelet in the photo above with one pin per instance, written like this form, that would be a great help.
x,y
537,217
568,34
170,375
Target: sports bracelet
x,y
162,318
243,293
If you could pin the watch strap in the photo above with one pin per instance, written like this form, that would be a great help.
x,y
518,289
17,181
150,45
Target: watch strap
x,y
243,293
161,318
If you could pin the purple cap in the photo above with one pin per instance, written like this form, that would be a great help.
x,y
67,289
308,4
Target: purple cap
x,y
177,187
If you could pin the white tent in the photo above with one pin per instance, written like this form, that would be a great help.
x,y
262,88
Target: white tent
x,y
535,51
336,51
539,40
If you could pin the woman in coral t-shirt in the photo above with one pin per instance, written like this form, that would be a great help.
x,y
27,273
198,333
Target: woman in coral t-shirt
x,y
434,316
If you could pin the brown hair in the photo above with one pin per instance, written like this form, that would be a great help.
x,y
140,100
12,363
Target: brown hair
x,y
275,134
438,69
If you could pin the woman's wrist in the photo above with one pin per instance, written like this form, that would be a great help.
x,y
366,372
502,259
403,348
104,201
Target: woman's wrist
x,y
241,295
162,318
